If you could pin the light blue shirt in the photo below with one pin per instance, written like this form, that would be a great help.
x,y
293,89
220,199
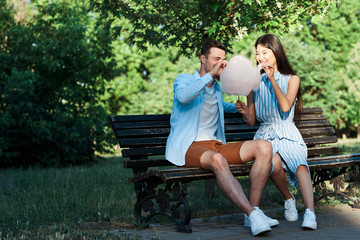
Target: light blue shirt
x,y
188,101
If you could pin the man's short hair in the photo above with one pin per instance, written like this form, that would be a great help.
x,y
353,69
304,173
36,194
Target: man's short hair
x,y
207,46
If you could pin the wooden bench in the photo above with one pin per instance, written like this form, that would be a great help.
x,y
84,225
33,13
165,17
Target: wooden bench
x,y
160,186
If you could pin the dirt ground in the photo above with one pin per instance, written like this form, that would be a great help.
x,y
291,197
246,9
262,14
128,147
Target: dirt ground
x,y
339,222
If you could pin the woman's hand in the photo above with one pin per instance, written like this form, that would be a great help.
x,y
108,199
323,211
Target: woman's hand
x,y
269,70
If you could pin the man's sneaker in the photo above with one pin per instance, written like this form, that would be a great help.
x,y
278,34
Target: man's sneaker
x,y
258,224
272,222
309,220
291,214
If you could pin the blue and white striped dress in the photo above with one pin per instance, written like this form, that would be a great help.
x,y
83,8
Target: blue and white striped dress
x,y
278,127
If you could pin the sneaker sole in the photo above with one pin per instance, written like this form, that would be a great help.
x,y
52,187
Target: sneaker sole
x,y
274,224
261,231
309,227
289,219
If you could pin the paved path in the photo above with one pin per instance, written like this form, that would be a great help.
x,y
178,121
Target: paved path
x,y
340,222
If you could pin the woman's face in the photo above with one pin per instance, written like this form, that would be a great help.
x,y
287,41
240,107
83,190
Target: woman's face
x,y
265,55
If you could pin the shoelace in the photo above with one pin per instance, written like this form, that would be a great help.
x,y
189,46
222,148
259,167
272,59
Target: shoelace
x,y
288,206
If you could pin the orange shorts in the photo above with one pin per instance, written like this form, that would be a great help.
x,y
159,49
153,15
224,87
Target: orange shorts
x,y
231,152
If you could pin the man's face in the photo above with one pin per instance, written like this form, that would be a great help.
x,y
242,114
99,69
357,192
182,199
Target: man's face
x,y
215,56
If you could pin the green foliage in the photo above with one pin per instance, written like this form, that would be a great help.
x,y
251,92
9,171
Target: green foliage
x,y
329,69
326,58
52,70
188,24
144,85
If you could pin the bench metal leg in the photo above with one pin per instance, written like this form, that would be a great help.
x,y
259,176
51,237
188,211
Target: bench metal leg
x,y
338,178
170,202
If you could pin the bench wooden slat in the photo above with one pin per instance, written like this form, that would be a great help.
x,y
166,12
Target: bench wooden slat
x,y
145,163
187,174
320,140
334,161
313,124
143,121
191,174
139,118
308,132
316,151
140,125
241,128
148,137
310,121
310,117
142,132
335,157
152,151
313,110
139,142
161,141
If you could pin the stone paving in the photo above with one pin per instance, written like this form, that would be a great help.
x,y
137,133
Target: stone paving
x,y
340,222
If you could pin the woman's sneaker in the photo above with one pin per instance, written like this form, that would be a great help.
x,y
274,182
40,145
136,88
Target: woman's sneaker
x,y
258,224
272,222
291,214
309,221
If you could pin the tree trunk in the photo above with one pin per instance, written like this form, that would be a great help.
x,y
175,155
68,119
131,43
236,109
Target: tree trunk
x,y
344,136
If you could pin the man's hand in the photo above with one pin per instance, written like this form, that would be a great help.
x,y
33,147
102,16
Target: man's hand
x,y
215,72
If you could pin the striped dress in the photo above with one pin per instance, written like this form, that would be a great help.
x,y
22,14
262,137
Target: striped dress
x,y
278,127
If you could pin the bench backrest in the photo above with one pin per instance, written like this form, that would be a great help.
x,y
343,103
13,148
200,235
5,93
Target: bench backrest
x,y
144,136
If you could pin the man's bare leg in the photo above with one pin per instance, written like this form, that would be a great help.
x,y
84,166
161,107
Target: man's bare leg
x,y
261,152
227,183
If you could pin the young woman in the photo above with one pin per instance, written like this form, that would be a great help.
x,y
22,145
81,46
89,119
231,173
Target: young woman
x,y
274,104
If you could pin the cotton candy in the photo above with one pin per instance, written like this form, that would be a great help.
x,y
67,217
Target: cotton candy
x,y
240,77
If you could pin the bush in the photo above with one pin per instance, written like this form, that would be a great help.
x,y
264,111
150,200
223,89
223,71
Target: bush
x,y
52,70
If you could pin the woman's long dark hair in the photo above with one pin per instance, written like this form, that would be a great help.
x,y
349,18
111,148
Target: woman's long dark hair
x,y
272,42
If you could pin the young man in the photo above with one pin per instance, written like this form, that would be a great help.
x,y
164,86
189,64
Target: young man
x,y
197,137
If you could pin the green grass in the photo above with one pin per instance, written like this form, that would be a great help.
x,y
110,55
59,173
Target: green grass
x,y
349,145
83,202
61,201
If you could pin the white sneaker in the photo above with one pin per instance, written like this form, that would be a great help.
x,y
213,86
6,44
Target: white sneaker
x,y
272,222
309,220
291,214
258,224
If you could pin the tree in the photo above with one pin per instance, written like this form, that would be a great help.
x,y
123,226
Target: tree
x,y
52,70
144,85
332,78
187,24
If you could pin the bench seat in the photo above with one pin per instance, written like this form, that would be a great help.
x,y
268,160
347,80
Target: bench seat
x,y
158,183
